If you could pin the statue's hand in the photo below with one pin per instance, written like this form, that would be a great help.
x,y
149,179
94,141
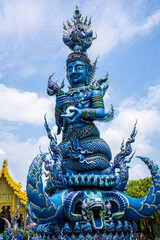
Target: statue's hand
x,y
61,100
72,114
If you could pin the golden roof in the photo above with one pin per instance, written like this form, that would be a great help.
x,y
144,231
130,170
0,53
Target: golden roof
x,y
16,187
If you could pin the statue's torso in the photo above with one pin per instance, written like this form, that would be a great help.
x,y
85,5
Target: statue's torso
x,y
83,97
84,131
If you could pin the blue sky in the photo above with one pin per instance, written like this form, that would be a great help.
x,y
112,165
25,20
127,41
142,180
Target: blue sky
x,y
31,49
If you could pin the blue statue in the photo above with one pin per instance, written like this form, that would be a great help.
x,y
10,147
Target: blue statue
x,y
84,197
7,234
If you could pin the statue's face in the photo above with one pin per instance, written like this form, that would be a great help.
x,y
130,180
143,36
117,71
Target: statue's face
x,y
77,73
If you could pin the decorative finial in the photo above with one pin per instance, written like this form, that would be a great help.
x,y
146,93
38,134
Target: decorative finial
x,y
77,10
5,163
79,35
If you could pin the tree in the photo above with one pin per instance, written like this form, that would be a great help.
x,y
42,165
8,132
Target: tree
x,y
149,226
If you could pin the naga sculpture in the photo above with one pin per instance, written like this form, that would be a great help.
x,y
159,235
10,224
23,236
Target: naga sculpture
x,y
84,196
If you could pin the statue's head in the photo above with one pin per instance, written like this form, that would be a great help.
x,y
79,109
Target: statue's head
x,y
78,36
78,70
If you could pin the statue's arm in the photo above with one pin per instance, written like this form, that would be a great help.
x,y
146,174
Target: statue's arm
x,y
97,103
96,109
59,119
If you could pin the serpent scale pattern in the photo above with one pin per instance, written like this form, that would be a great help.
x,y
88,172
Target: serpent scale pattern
x,y
99,146
94,163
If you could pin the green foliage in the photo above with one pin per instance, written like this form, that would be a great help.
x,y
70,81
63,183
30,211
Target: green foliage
x,y
137,189
156,228
32,233
25,234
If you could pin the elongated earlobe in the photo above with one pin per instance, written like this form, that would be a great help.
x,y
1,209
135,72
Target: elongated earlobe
x,y
88,70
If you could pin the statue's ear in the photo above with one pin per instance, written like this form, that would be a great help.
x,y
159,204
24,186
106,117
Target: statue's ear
x,y
89,69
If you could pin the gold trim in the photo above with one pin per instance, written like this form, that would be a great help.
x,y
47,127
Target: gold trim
x,y
16,187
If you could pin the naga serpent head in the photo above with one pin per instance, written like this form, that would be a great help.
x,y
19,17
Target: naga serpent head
x,y
92,210
95,209
100,207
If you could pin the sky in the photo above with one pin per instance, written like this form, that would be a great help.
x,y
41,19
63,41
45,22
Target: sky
x,y
31,49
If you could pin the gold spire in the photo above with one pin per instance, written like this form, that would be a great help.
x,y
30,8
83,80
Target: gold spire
x,y
16,187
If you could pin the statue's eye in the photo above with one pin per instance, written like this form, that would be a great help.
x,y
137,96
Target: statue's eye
x,y
79,67
69,69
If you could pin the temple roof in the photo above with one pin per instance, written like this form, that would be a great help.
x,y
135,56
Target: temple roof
x,y
16,187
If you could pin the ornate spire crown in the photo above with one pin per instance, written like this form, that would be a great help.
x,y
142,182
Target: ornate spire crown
x,y
78,36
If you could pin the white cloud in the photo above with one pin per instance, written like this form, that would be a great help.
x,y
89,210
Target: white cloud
x,y
26,25
24,22
150,22
26,107
2,152
18,18
147,112
31,33
21,154
120,23
138,171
